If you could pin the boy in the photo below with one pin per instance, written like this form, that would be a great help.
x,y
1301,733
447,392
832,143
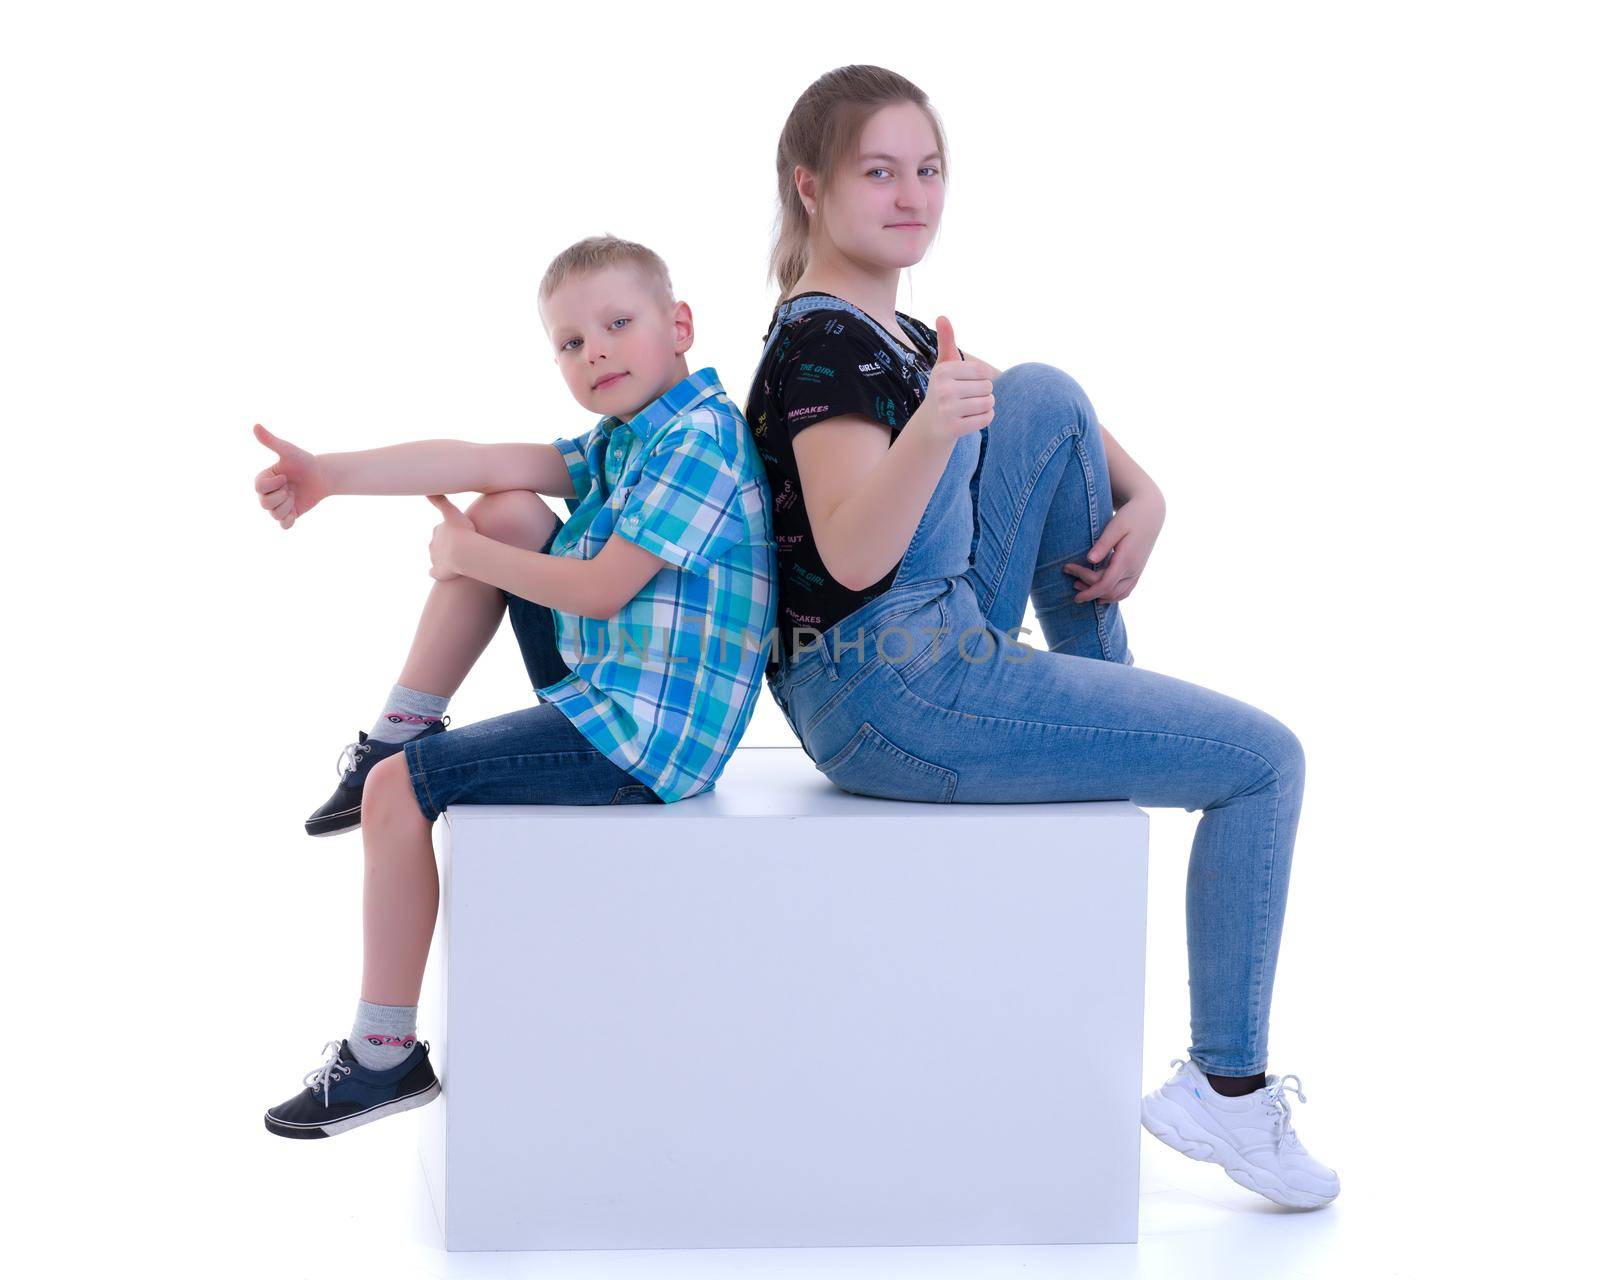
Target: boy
x,y
645,648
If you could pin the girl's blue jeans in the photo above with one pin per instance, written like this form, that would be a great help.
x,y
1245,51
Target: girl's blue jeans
x,y
924,694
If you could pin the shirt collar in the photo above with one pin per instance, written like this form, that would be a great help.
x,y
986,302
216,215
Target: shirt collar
x,y
677,399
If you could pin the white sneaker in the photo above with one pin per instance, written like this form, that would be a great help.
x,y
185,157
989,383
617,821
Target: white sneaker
x,y
1250,1136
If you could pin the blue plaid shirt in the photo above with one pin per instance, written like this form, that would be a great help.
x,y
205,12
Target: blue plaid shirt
x,y
666,687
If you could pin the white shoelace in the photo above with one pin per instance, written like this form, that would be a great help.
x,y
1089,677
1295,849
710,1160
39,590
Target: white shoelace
x,y
349,758
320,1079
1279,1106
1276,1104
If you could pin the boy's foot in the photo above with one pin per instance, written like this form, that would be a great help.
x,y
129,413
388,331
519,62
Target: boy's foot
x,y
342,1094
1249,1136
342,810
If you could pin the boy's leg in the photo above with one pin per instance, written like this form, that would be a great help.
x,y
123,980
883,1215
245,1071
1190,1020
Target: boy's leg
x,y
462,614
361,1082
459,619
400,892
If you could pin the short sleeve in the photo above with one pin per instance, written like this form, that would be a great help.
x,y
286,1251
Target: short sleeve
x,y
833,369
686,505
575,454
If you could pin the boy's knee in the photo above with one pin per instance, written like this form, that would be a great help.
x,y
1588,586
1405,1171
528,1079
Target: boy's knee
x,y
515,516
388,789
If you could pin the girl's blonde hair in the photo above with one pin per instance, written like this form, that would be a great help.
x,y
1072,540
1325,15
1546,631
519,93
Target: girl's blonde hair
x,y
823,130
597,252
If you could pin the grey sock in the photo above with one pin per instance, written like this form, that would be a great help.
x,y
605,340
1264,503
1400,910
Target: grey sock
x,y
406,713
383,1034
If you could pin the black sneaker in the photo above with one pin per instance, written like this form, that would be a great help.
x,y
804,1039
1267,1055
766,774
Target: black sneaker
x,y
342,1094
342,810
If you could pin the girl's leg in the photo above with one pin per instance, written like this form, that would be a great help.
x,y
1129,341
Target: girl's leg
x,y
400,893
1045,496
462,614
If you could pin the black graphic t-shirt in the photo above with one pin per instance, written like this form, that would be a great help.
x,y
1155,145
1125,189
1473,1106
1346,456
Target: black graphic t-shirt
x,y
826,363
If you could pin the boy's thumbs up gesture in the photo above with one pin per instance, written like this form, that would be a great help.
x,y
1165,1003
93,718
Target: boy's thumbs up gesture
x,y
960,397
449,539
292,485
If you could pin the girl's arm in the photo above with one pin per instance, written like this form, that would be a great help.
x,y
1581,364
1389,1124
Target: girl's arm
x,y
448,466
863,495
1128,478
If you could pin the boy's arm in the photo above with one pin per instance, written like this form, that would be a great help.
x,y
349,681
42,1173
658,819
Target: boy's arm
x,y
448,466
590,588
543,468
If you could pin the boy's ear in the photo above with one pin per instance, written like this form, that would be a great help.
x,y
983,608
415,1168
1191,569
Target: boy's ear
x,y
683,328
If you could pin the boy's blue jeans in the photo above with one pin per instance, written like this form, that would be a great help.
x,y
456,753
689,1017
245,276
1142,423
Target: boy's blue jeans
x,y
531,756
922,695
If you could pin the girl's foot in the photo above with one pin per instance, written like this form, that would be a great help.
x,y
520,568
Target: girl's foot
x,y
342,810
1249,1136
341,1094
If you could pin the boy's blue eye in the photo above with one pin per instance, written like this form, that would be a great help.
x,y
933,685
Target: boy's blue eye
x,y
620,320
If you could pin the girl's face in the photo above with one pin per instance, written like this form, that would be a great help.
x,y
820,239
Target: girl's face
x,y
882,208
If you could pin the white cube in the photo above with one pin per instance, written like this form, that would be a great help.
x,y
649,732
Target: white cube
x,y
783,1015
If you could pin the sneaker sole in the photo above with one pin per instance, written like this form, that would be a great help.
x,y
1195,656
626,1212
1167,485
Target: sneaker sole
x,y
407,1103
332,824
1171,1124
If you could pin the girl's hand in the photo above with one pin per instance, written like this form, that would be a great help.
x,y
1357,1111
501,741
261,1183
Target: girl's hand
x,y
960,396
1128,538
292,485
448,539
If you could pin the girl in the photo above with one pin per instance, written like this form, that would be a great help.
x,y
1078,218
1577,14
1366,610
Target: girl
x,y
902,581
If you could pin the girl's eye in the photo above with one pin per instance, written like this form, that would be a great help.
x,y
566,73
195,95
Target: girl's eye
x,y
931,169
870,172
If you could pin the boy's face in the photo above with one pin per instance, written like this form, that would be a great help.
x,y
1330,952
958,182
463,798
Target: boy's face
x,y
616,342
882,208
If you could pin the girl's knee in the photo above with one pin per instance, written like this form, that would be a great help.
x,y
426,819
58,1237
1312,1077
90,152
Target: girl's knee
x,y
1046,387
1281,748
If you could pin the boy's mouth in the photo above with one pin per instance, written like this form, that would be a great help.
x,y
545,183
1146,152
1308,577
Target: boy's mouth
x,y
608,380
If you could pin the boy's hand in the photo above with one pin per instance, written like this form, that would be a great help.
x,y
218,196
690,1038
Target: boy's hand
x,y
292,485
445,548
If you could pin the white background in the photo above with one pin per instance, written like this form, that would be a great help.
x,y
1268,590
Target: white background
x,y
1328,274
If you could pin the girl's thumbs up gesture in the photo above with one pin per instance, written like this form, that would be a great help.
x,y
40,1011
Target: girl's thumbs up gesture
x,y
292,485
448,539
960,397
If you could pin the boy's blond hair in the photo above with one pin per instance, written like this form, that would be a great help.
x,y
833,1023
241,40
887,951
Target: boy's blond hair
x,y
597,252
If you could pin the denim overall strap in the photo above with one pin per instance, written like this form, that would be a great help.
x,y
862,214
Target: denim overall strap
x,y
932,570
